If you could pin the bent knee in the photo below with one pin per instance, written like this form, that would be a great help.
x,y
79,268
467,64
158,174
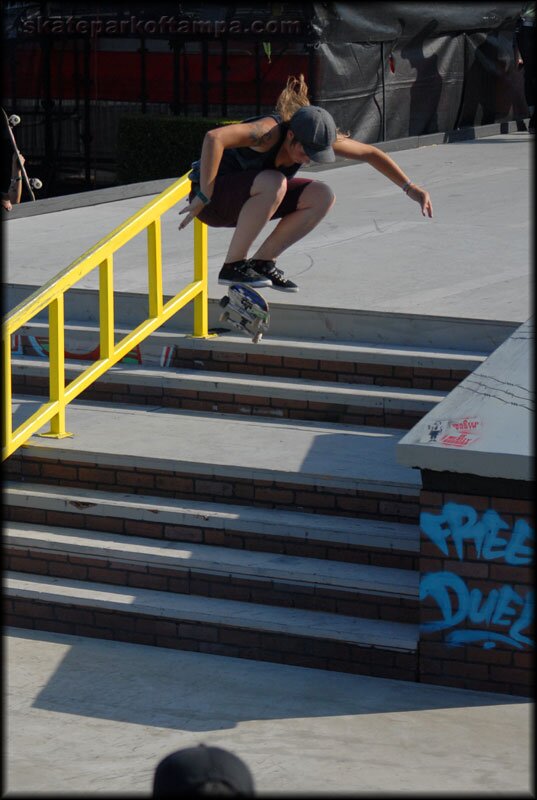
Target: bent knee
x,y
271,182
320,195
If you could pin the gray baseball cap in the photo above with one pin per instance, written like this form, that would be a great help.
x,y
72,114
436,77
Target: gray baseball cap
x,y
315,129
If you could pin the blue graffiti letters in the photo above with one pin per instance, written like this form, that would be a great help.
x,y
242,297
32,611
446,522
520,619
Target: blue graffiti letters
x,y
461,523
503,607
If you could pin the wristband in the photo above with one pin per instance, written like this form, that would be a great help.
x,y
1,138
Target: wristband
x,y
14,180
202,197
406,186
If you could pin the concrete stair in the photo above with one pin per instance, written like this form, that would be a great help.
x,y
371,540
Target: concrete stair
x,y
230,498
224,627
251,528
343,381
238,393
212,571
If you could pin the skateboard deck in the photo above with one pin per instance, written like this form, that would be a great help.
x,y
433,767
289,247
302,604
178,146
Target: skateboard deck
x,y
245,310
30,183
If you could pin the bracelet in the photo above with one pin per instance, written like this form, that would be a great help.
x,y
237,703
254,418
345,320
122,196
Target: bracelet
x,y
406,186
14,180
202,197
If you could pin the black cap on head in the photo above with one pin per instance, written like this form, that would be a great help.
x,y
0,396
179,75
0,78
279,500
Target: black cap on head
x,y
185,772
316,131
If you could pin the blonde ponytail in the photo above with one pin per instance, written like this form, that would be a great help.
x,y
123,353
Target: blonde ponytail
x,y
293,97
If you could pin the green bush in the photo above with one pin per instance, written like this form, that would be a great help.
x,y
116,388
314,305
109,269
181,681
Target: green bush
x,y
152,147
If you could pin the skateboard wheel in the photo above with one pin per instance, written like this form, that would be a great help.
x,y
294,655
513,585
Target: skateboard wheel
x,y
223,317
257,338
224,301
14,119
35,183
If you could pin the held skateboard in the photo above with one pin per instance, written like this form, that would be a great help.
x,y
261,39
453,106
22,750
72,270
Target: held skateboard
x,y
30,183
246,310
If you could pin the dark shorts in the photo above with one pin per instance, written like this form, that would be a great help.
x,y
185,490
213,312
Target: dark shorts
x,y
231,192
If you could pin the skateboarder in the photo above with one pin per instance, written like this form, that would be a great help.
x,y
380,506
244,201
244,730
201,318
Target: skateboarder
x,y
246,176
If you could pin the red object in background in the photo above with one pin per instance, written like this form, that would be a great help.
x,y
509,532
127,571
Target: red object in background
x,y
391,61
116,75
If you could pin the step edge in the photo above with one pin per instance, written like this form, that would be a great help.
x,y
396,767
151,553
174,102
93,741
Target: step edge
x,y
216,516
231,471
244,383
209,565
385,630
340,350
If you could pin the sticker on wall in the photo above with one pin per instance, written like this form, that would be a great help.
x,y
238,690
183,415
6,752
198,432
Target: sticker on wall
x,y
453,433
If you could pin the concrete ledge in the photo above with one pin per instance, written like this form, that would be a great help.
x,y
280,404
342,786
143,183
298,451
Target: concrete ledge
x,y
93,197
299,322
484,426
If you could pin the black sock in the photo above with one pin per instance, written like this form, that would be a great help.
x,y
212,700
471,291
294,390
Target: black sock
x,y
236,264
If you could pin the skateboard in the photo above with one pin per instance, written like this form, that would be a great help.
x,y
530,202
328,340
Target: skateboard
x,y
30,183
246,310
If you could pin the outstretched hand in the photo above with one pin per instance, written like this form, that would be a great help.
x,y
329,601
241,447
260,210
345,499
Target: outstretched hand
x,y
422,197
191,210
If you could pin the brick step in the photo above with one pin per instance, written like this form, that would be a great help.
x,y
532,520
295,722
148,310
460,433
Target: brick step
x,y
353,589
227,392
373,363
317,639
360,541
305,466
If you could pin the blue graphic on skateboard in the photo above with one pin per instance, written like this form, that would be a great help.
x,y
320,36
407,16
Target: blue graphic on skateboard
x,y
246,311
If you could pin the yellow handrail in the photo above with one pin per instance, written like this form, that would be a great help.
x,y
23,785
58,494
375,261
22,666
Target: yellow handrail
x,y
51,296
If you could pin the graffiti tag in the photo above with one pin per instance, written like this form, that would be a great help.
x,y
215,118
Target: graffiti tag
x,y
459,605
461,523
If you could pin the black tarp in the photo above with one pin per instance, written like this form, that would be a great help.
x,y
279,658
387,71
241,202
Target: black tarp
x,y
384,70
391,70
387,22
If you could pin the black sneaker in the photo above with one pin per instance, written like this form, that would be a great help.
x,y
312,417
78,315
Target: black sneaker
x,y
268,269
240,272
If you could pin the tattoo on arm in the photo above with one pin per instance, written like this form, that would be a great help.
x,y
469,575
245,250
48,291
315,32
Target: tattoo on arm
x,y
258,135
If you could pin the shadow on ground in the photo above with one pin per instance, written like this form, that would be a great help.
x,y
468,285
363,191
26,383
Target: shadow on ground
x,y
199,692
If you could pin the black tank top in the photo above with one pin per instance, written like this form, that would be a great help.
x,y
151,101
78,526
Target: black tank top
x,y
237,159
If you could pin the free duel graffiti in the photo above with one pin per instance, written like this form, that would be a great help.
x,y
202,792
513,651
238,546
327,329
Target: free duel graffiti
x,y
468,614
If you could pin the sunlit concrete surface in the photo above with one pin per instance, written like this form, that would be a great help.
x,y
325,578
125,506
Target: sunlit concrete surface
x,y
373,251
89,717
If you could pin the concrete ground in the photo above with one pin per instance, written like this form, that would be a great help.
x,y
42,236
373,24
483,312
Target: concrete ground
x,y
90,717
86,717
373,251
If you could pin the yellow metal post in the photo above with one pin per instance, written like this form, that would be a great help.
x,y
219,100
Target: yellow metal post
x,y
57,367
6,391
201,273
154,266
106,307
